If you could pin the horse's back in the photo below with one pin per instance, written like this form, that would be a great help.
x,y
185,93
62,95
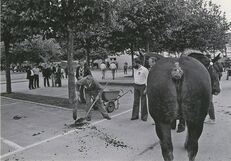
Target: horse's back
x,y
191,94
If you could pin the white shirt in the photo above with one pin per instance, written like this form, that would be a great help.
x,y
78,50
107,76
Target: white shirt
x,y
112,66
103,66
141,75
36,71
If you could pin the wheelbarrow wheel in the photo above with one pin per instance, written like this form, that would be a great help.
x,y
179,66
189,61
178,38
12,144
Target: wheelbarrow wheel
x,y
110,107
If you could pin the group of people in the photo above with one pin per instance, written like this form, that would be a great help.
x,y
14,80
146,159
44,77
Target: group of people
x,y
53,72
89,88
113,66
33,77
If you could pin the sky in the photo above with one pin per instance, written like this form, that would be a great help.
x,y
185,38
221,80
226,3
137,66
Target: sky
x,y
225,6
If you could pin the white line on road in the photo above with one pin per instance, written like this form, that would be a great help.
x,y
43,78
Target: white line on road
x,y
41,104
11,143
55,137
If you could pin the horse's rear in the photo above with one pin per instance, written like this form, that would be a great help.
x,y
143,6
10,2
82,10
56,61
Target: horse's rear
x,y
179,87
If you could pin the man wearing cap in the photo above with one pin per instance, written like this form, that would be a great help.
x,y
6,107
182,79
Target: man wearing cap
x,y
93,90
82,71
140,83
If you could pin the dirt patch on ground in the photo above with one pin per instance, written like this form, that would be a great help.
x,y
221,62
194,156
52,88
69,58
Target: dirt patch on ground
x,y
107,138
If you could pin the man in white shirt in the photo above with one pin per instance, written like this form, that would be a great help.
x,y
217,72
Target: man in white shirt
x,y
103,69
36,76
140,83
113,69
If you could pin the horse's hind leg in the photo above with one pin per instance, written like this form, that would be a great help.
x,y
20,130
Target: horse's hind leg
x,y
191,143
164,133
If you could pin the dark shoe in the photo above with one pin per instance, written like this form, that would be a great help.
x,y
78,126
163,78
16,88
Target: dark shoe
x,y
134,118
107,117
145,119
180,128
88,118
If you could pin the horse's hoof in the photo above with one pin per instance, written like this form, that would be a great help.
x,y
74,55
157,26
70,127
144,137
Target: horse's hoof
x,y
180,129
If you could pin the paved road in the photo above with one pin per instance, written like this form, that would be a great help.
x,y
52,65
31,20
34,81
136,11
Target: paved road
x,y
44,133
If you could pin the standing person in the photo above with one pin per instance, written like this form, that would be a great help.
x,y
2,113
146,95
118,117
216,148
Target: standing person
x,y
93,90
62,73
46,74
36,76
113,69
103,69
82,71
53,75
140,83
117,65
125,68
58,75
211,111
30,76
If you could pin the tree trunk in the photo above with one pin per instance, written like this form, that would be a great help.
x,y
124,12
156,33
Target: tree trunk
x,y
132,54
8,79
71,76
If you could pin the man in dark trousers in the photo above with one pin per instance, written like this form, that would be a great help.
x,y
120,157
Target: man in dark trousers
x,y
36,76
46,74
140,83
82,71
30,76
93,90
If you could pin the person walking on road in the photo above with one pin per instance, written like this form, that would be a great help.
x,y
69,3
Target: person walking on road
x,y
140,83
82,71
103,68
36,76
113,69
93,90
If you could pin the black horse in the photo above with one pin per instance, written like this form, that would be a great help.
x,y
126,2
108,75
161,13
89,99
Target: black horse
x,y
179,86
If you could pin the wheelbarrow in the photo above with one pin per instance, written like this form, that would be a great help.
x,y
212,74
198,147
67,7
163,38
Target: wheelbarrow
x,y
109,97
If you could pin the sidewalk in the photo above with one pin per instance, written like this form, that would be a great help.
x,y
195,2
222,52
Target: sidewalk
x,y
21,86
120,78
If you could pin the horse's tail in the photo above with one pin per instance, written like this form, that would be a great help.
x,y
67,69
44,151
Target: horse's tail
x,y
177,76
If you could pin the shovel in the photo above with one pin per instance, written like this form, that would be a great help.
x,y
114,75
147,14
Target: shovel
x,y
80,120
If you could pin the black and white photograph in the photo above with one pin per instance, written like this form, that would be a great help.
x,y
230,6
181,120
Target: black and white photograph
x,y
115,80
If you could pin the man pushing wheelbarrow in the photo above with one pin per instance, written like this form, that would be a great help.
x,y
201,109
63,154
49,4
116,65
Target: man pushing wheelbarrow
x,y
92,90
